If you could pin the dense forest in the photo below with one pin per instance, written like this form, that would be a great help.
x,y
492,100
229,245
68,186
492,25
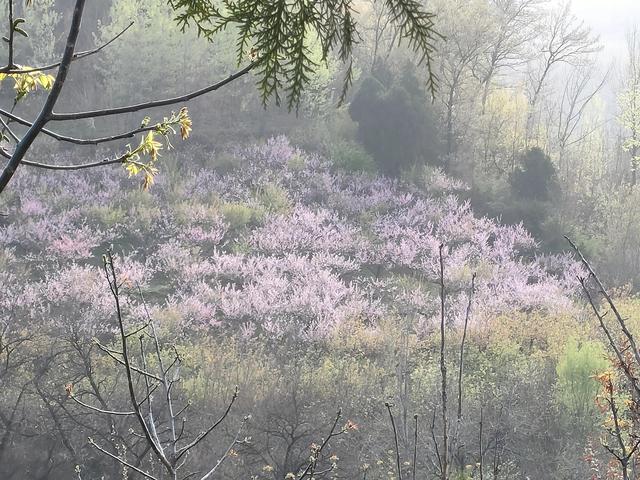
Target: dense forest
x,y
396,239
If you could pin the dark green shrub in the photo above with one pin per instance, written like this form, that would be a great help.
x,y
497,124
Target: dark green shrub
x,y
535,178
395,122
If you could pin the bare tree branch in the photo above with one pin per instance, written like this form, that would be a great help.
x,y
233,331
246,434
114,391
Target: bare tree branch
x,y
227,452
80,141
9,70
110,272
443,371
123,462
99,410
203,434
395,438
42,118
152,104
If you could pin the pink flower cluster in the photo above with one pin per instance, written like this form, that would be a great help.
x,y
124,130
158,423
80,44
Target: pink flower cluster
x,y
342,247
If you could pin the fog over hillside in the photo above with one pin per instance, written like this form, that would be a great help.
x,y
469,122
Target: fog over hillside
x,y
319,240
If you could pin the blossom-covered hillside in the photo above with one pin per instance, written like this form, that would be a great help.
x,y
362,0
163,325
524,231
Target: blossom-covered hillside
x,y
277,242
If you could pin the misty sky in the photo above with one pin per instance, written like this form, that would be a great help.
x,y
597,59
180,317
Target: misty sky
x,y
610,19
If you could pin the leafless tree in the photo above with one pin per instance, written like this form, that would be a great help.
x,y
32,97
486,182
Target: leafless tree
x,y
508,49
566,41
629,103
578,93
448,445
467,37
151,378
382,32
159,429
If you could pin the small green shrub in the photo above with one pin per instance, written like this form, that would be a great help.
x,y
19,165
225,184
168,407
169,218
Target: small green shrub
x,y
225,162
140,209
239,215
6,259
296,163
184,212
106,216
576,388
351,157
274,198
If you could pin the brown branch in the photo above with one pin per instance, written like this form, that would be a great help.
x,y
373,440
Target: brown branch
x,y
226,453
165,382
152,104
123,462
107,161
625,456
480,443
99,410
443,371
11,36
80,141
433,438
610,339
203,434
42,118
110,272
612,343
113,353
395,438
9,70
151,421
472,291
6,128
332,433
621,321
138,330
415,447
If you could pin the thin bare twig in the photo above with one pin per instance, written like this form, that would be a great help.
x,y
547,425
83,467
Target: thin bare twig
x,y
443,371
203,434
472,290
9,70
11,36
113,353
415,447
152,104
612,343
227,452
110,272
79,141
42,118
99,410
122,461
309,471
395,438
614,309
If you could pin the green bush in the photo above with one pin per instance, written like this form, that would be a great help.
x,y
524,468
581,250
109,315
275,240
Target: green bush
x,y
224,162
576,389
350,156
239,215
535,178
296,163
274,198
395,122
105,215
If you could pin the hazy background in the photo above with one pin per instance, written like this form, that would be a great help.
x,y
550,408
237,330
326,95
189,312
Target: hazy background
x,y
609,19
400,256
